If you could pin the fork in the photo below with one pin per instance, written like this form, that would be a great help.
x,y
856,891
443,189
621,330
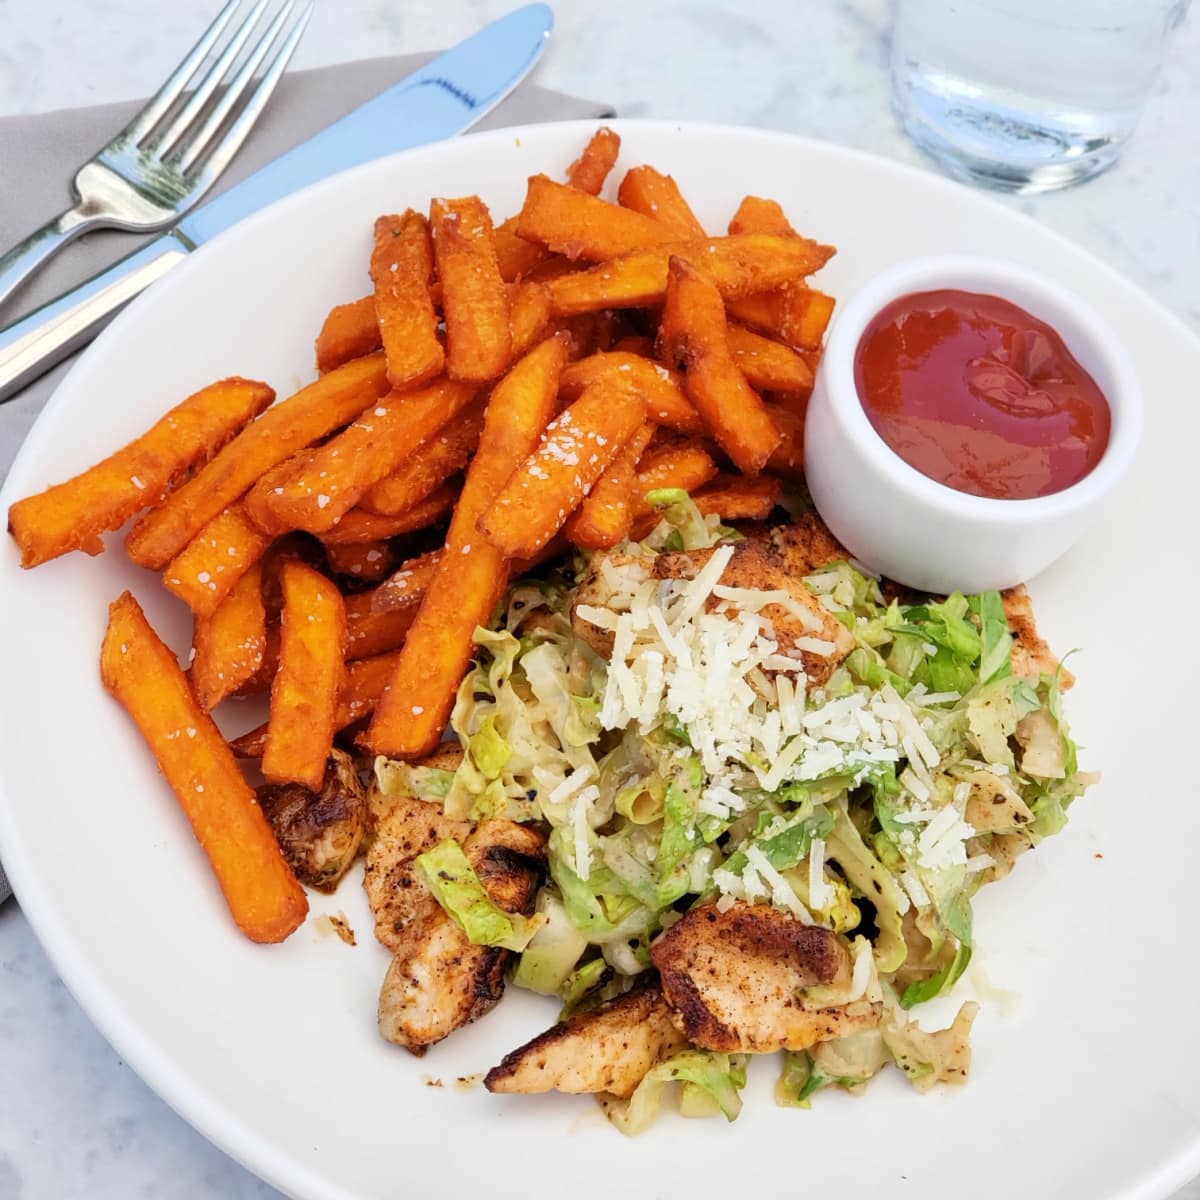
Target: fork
x,y
172,152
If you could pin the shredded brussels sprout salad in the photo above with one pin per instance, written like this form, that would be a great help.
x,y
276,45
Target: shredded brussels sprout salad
x,y
679,754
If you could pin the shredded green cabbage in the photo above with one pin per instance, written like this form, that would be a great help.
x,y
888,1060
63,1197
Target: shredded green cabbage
x,y
457,888
874,841
721,1077
548,962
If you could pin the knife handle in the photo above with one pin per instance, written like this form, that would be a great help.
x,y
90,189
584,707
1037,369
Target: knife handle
x,y
31,346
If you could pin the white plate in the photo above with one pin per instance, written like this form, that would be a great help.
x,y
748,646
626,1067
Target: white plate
x,y
1085,1082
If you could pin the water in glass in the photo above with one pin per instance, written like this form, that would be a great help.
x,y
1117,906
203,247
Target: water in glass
x,y
1026,95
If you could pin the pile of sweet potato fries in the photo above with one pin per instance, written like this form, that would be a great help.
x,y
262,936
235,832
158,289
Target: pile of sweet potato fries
x,y
502,395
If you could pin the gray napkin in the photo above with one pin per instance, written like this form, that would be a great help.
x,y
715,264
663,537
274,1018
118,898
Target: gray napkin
x,y
40,154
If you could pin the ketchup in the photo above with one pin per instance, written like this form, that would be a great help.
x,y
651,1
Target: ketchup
x,y
980,395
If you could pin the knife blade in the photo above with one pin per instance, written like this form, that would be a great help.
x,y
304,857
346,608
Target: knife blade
x,y
445,97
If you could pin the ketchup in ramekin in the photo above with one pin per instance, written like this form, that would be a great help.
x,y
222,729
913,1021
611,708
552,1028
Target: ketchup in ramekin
x,y
980,395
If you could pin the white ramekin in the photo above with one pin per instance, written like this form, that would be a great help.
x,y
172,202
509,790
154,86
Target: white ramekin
x,y
907,526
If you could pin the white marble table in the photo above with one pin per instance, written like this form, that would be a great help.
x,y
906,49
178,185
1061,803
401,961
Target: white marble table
x,y
74,1121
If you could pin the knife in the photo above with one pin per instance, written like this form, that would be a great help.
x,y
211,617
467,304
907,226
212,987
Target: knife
x,y
445,97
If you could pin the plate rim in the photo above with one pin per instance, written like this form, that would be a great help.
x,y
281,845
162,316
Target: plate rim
x,y
162,1074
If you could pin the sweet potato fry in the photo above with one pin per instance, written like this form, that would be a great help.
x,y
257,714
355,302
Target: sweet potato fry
x,y
514,255
471,574
256,502
312,651
763,312
401,269
377,621
795,314
365,561
739,266
590,333
365,681
229,642
331,480
605,517
693,332
474,299
683,464
528,315
260,681
807,329
754,262
660,388
569,221
635,343
768,365
636,281
433,462
653,194
552,267
736,498
142,675
299,546
359,526
796,402
208,568
758,215
350,331
313,412
788,457
73,515
405,588
550,484
369,632
589,171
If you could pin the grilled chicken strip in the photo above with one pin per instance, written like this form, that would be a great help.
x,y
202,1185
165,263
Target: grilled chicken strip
x,y
400,828
319,832
438,980
806,545
608,1049
753,566
1031,656
737,980
396,889
597,591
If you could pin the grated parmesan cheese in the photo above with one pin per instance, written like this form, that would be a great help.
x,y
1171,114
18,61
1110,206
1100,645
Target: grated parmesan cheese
x,y
942,843
915,889
782,893
820,892
864,966
573,781
581,828
697,591
706,653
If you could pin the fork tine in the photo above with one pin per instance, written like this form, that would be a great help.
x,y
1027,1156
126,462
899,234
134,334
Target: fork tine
x,y
257,98
192,148
209,84
158,104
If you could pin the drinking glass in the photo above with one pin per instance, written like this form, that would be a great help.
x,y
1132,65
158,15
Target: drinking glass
x,y
1026,95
